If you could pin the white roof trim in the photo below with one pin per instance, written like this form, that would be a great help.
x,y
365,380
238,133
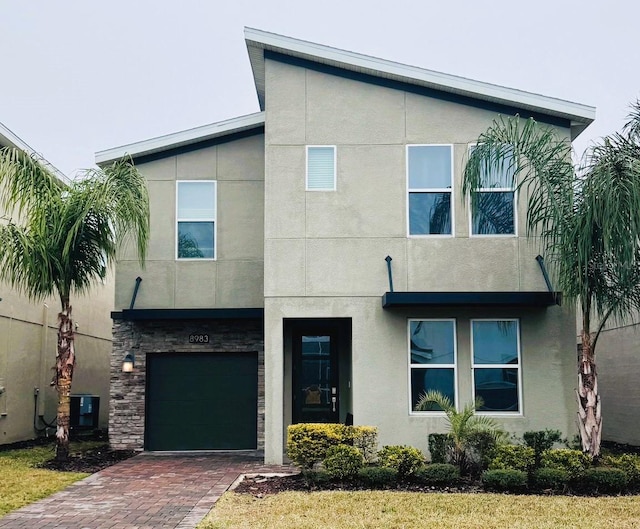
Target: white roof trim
x,y
9,139
258,40
183,138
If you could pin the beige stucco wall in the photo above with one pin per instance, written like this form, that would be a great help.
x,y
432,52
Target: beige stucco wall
x,y
235,278
618,364
324,251
28,334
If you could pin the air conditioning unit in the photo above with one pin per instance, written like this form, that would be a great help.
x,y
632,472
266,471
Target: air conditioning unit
x,y
85,411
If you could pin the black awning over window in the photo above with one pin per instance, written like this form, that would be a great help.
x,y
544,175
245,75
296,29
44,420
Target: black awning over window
x,y
391,300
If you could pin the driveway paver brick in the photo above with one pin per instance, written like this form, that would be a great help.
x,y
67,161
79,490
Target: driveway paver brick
x,y
148,491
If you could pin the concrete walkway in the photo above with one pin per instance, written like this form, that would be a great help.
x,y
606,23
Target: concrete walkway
x,y
149,491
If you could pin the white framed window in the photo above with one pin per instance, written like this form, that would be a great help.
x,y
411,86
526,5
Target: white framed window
x,y
321,168
429,190
432,360
494,211
496,365
196,219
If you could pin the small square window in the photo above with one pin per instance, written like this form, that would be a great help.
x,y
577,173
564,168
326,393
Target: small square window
x,y
321,168
429,181
196,219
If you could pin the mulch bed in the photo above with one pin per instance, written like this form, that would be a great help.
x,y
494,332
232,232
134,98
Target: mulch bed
x,y
260,486
90,461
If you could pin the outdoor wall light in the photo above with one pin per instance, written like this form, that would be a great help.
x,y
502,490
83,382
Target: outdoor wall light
x,y
128,362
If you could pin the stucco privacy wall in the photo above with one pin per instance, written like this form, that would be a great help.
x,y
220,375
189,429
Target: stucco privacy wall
x,y
617,361
323,247
235,278
28,334
127,405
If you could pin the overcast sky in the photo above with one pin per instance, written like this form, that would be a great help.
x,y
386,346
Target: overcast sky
x,y
81,76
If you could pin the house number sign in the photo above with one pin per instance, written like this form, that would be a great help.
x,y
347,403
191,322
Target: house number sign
x,y
198,338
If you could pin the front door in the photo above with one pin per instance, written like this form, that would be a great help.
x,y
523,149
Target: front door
x,y
315,375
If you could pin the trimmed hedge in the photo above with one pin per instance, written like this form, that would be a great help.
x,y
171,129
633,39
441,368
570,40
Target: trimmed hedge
x,y
504,480
629,463
439,444
573,461
600,480
406,460
438,474
307,443
378,477
514,457
554,479
343,461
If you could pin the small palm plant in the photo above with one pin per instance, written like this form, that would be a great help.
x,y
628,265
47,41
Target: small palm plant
x,y
464,426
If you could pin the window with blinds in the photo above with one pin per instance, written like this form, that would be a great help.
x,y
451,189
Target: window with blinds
x,y
321,168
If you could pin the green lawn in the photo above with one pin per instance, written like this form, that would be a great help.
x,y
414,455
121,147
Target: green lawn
x,y
407,510
21,483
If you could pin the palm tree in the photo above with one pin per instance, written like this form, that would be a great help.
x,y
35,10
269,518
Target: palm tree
x,y
63,239
587,223
463,425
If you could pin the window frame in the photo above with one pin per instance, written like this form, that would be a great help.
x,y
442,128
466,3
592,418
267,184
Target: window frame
x,y
518,366
412,366
213,219
430,190
492,190
335,168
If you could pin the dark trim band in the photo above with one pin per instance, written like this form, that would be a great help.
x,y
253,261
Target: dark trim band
x,y
188,314
391,300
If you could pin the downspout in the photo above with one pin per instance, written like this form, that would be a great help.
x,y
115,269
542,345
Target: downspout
x,y
388,259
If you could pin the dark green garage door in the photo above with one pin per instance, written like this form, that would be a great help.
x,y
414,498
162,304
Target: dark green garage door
x,y
201,401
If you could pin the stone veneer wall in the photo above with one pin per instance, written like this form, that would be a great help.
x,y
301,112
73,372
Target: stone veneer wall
x,y
127,392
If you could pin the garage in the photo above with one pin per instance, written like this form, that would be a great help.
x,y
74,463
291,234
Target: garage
x,y
201,401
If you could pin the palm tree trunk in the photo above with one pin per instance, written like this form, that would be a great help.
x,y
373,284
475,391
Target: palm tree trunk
x,y
65,362
589,408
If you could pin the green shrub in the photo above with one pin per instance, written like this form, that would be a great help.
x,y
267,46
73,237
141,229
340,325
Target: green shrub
x,y
600,480
540,441
365,439
405,459
316,478
438,474
505,480
343,461
482,447
378,477
307,443
513,457
439,445
629,463
573,461
550,478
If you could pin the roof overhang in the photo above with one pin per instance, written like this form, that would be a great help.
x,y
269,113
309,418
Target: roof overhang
x,y
183,138
578,115
188,314
392,300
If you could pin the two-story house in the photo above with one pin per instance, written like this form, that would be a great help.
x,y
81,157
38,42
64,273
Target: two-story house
x,y
317,262
28,334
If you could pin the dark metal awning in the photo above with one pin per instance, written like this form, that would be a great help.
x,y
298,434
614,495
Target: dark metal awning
x,y
188,314
391,300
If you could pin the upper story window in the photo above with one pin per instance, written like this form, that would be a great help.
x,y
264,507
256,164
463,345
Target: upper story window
x,y
196,219
493,212
432,358
496,364
430,177
321,168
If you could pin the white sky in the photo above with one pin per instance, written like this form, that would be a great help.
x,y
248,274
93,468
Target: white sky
x,y
79,76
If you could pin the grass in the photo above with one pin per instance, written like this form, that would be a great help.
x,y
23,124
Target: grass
x,y
22,483
406,510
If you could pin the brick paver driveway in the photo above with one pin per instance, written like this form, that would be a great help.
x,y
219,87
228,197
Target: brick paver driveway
x,y
148,491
